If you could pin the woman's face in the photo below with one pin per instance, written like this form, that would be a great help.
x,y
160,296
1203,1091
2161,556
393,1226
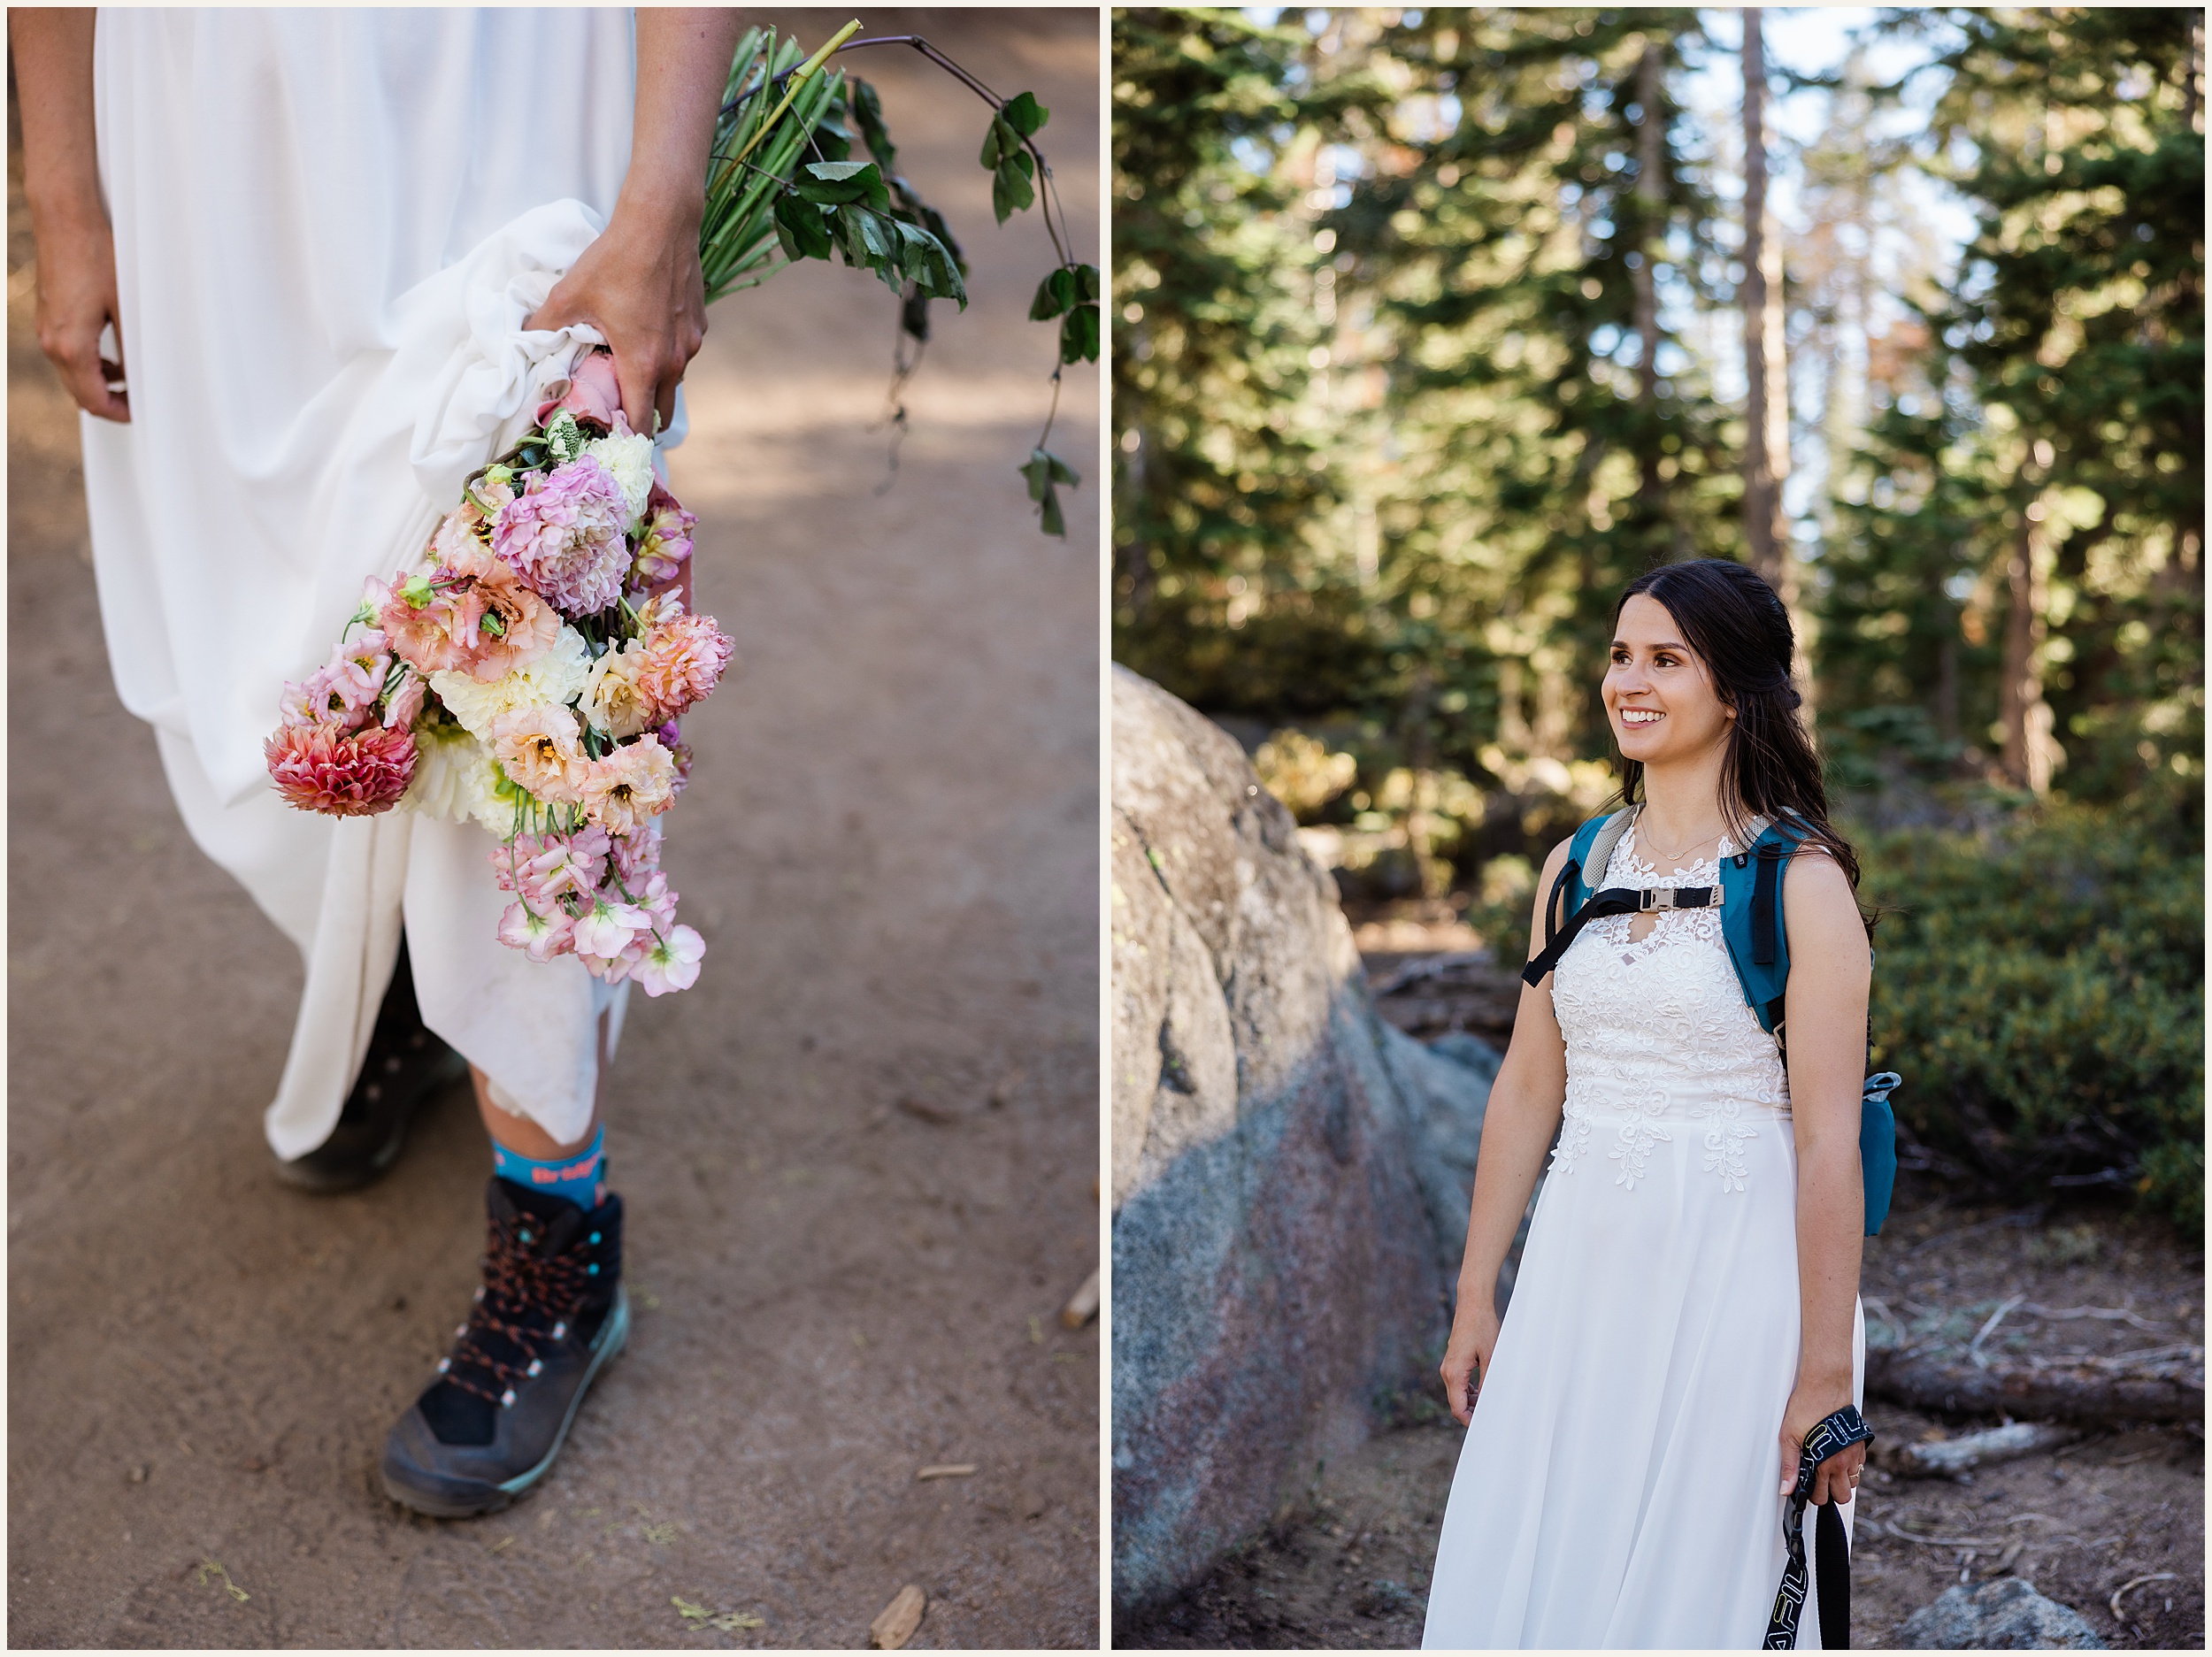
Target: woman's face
x,y
1658,695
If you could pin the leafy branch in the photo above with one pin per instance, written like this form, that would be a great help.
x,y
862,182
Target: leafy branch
x,y
765,198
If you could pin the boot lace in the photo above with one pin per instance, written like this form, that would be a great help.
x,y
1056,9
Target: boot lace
x,y
527,1298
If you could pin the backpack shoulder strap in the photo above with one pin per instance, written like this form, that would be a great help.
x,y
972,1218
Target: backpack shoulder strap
x,y
1591,849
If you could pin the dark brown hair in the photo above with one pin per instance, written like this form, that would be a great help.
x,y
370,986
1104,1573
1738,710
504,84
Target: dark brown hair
x,y
1742,631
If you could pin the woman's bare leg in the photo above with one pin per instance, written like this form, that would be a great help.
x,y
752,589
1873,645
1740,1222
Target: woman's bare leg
x,y
525,1136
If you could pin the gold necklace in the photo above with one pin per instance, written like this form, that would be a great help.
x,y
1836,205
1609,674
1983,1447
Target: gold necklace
x,y
1676,857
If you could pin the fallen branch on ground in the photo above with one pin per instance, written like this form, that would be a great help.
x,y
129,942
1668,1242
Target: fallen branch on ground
x,y
1948,1458
2164,1384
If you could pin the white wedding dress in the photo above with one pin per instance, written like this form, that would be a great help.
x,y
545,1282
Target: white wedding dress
x,y
329,224
1619,1487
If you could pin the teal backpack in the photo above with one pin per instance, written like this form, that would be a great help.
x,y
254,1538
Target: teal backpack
x,y
1749,898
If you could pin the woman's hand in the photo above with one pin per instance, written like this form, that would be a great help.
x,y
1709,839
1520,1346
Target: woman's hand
x,y
640,285
1467,1356
69,221
1837,1478
76,301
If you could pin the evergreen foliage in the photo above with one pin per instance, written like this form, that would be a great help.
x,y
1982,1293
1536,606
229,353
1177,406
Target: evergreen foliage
x,y
1388,446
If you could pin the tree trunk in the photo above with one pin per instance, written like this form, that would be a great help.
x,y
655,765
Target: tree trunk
x,y
1766,415
2026,718
1651,206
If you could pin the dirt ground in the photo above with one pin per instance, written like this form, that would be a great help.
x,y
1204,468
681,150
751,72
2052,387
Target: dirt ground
x,y
891,849
1347,1567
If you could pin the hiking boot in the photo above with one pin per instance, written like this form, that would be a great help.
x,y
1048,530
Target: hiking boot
x,y
551,1313
405,1067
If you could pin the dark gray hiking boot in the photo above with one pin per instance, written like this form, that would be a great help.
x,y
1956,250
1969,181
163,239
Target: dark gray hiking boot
x,y
551,1313
406,1067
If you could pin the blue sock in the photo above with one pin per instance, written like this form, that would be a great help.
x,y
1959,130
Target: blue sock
x,y
581,1178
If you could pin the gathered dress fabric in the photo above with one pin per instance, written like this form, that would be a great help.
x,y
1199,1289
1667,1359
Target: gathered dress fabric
x,y
329,225
1619,1486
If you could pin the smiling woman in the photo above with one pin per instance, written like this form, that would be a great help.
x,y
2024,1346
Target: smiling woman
x,y
1678,1377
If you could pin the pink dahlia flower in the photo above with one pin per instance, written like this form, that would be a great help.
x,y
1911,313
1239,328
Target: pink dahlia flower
x,y
684,657
672,963
626,787
322,768
665,543
563,534
471,613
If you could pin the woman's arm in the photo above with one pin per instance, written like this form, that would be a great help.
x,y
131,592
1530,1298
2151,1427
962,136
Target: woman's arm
x,y
1525,1100
61,184
1831,968
639,284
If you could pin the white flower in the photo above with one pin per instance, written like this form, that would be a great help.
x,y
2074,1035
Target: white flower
x,y
455,780
611,700
631,461
553,678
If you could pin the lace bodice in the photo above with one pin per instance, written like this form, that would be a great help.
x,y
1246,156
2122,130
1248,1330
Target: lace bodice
x,y
1659,1037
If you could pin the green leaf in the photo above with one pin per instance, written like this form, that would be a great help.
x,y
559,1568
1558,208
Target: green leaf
x,y
836,183
802,229
1009,192
1000,141
1025,115
1055,295
1049,519
1079,335
1087,282
867,111
1062,473
1037,469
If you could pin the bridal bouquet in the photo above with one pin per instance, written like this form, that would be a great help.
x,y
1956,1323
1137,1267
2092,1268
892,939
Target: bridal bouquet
x,y
528,674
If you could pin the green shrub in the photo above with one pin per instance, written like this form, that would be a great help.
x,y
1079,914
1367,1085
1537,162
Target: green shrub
x,y
2040,987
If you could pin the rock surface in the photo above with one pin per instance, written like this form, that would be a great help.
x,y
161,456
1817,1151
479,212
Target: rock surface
x,y
1290,1175
2003,1615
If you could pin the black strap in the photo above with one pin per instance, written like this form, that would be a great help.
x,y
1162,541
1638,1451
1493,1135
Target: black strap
x,y
1555,906
1763,950
1832,1555
1612,900
1836,1432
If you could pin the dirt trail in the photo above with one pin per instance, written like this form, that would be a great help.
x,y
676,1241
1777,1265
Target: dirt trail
x,y
891,849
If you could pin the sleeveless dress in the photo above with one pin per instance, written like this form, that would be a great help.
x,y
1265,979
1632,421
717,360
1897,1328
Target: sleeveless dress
x,y
1618,1484
329,224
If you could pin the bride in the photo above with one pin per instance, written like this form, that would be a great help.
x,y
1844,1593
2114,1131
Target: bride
x,y
1686,1311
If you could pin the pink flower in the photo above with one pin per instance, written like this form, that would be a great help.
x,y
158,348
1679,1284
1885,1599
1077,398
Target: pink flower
x,y
606,929
665,543
564,536
540,749
403,707
633,856
322,768
622,790
593,395
469,614
656,897
684,656
541,934
344,690
672,963
545,870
